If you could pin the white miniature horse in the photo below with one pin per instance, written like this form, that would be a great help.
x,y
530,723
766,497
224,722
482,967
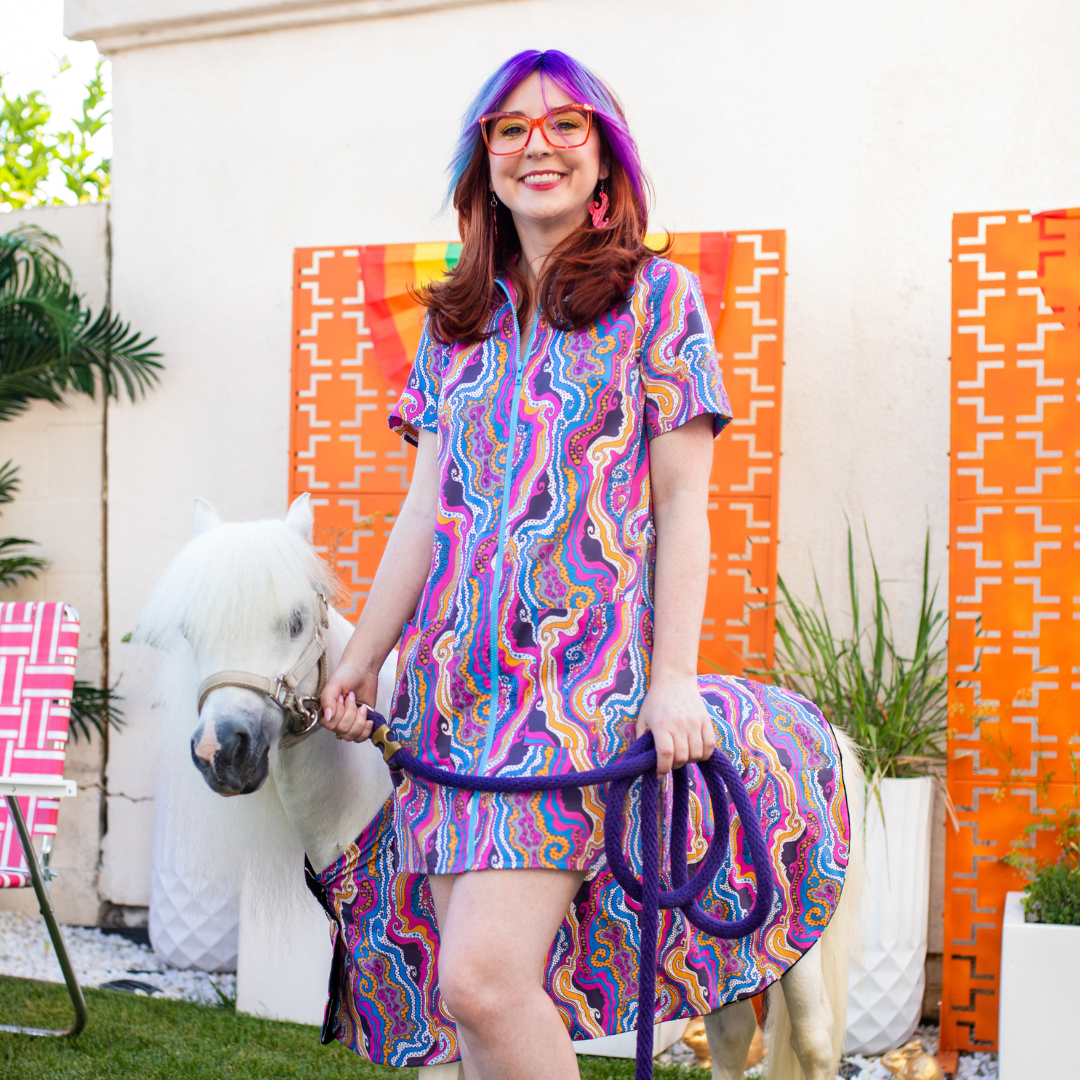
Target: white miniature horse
x,y
247,597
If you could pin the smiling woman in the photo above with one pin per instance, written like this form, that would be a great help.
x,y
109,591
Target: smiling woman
x,y
543,141
548,568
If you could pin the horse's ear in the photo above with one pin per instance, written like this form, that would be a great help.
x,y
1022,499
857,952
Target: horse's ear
x,y
206,517
301,517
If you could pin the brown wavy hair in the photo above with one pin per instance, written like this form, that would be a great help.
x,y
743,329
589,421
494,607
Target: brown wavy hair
x,y
584,276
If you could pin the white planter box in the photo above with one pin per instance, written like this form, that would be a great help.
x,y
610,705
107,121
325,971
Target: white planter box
x,y
1040,997
192,924
886,981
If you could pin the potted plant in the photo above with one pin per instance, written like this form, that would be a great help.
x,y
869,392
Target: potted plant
x,y
893,703
1040,947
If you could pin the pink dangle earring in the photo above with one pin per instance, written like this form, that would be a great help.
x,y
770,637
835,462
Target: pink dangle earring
x,y
598,210
495,215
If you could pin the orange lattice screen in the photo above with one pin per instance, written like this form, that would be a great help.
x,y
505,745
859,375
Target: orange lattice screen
x,y
1014,642
348,370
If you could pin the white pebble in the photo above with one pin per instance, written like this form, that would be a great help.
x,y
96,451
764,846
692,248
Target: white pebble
x,y
27,953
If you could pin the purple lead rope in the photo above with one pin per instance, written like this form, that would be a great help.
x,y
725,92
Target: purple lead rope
x,y
721,779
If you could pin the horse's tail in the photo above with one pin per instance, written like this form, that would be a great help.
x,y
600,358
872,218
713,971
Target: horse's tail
x,y
836,944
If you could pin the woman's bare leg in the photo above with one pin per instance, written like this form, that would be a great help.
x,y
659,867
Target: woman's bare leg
x,y
495,930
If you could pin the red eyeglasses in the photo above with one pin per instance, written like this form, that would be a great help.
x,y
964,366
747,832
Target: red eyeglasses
x,y
563,128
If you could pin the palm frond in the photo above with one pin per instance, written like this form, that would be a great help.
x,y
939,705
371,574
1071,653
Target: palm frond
x,y
49,343
9,481
118,354
16,566
92,708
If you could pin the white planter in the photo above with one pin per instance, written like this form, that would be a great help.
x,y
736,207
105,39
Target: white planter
x,y
193,924
886,981
190,928
1039,997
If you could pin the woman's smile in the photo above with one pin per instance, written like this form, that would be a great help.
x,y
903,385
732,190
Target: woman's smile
x,y
546,188
542,181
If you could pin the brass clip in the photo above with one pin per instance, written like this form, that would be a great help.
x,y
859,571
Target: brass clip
x,y
381,738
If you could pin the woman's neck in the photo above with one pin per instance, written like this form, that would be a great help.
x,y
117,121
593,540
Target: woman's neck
x,y
538,240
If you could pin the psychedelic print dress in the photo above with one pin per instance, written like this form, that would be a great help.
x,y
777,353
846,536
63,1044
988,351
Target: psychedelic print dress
x,y
529,651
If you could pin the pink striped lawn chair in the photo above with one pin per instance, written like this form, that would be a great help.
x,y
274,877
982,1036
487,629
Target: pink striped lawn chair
x,y
38,643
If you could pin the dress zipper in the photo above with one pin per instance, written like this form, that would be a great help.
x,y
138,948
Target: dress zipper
x,y
504,515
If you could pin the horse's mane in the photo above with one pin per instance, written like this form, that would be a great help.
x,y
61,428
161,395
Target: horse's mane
x,y
226,584
266,564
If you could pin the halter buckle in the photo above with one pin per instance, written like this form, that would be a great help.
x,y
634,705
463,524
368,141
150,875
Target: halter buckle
x,y
280,696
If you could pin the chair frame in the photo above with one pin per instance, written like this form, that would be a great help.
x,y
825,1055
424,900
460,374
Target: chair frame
x,y
44,786
39,877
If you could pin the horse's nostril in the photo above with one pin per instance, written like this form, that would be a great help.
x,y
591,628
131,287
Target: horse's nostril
x,y
236,747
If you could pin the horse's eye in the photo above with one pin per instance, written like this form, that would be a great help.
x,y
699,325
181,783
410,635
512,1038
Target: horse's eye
x,y
296,624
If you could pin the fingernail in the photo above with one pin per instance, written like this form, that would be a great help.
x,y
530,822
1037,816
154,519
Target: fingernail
x,y
328,714
352,697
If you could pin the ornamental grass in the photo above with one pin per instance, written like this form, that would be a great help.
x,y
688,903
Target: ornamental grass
x,y
893,703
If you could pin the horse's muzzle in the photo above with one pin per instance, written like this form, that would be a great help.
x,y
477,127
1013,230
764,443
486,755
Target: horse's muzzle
x,y
240,761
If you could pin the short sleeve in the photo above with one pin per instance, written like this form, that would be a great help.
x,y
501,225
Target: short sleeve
x,y
680,369
418,407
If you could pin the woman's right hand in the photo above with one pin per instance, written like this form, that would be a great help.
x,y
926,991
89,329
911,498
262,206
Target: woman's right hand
x,y
345,701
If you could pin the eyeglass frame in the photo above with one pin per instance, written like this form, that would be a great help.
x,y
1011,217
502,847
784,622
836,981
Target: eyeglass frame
x,y
537,122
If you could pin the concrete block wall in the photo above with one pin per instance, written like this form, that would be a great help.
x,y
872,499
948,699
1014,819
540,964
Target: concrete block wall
x,y
58,451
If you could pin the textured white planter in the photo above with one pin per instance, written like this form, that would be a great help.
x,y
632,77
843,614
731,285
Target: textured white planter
x,y
191,925
1040,997
886,987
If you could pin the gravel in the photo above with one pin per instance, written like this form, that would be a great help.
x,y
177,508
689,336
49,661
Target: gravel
x,y
857,1067
99,958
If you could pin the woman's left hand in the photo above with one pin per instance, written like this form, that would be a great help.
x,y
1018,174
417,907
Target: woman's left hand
x,y
681,725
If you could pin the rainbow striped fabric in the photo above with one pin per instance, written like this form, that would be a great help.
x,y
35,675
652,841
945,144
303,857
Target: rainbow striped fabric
x,y
389,273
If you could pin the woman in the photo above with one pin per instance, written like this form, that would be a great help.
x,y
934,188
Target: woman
x,y
552,554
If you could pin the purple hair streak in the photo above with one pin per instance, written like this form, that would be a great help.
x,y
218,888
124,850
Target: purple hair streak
x,y
574,79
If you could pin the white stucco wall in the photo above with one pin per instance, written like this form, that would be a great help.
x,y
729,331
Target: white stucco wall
x,y
858,127
58,451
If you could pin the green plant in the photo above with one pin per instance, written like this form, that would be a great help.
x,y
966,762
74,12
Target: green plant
x,y
50,345
49,342
14,563
86,173
27,153
30,153
894,706
93,707
1053,894
1053,890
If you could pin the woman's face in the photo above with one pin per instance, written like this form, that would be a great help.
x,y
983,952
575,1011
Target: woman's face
x,y
545,188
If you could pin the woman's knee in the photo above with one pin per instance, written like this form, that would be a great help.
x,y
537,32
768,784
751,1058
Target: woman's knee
x,y
471,990
476,988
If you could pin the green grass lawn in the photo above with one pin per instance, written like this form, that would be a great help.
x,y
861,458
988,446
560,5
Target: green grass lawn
x,y
138,1038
